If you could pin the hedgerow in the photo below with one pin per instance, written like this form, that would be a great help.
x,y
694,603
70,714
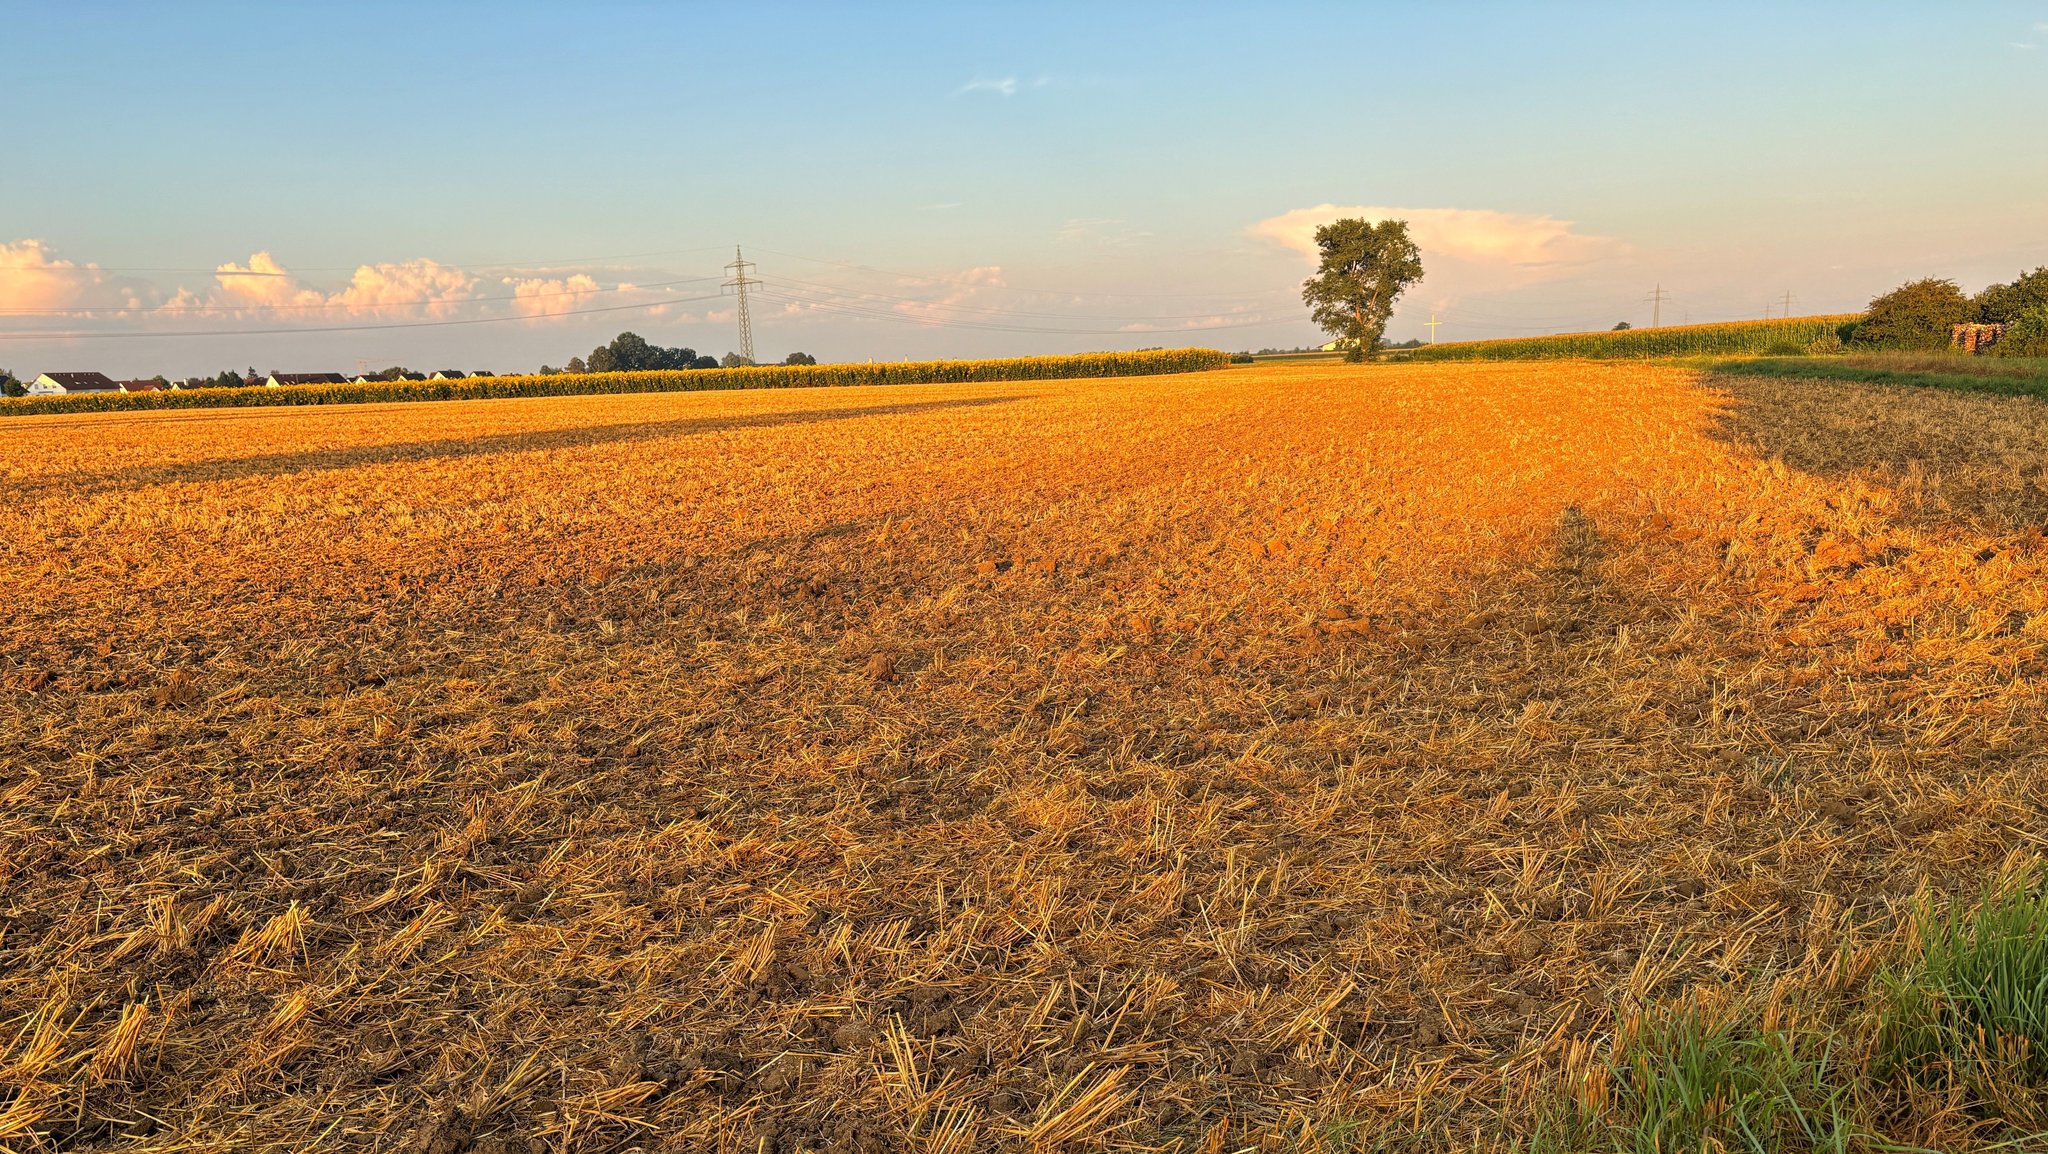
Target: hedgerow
x,y
1797,334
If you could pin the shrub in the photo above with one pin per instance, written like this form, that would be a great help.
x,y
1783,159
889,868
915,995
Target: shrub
x,y
2026,335
1826,344
2003,303
1916,315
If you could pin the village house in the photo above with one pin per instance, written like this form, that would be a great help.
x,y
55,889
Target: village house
x,y
149,386
64,384
284,380
447,375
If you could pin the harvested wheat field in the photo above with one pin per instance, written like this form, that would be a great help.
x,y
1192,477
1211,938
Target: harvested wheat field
x,y
1299,757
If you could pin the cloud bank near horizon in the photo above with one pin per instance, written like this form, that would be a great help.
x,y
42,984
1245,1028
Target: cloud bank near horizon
x,y
1470,254
37,286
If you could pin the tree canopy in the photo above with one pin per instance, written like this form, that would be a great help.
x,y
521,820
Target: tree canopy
x,y
1365,268
633,353
2003,303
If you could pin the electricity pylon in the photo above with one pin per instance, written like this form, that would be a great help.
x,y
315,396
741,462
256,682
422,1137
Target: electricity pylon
x,y
739,283
1657,299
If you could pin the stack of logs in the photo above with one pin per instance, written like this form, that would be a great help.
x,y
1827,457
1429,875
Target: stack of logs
x,y
1974,338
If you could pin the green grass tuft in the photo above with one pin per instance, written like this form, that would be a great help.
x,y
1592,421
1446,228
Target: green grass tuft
x,y
1973,1007
1689,1080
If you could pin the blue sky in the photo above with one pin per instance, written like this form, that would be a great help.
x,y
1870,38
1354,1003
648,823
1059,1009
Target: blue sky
x,y
977,179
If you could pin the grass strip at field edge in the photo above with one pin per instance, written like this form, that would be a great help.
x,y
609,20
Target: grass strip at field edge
x,y
1821,369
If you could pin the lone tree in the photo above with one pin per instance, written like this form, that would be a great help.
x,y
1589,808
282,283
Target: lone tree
x,y
1365,269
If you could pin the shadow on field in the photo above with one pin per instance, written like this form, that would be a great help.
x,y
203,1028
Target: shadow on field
x,y
455,448
1973,460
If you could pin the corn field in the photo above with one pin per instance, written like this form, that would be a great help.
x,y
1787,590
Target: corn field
x,y
1145,362
1793,335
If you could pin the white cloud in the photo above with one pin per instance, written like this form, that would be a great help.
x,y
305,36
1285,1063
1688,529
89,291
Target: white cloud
x,y
1534,245
264,283
1006,86
1216,321
1099,233
542,297
962,289
412,288
34,280
377,288
1470,254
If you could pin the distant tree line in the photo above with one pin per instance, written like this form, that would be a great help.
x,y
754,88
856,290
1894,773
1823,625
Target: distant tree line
x,y
633,353
1921,315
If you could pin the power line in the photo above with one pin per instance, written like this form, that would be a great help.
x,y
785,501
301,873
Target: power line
x,y
956,307
871,313
80,270
854,303
145,334
167,310
1017,288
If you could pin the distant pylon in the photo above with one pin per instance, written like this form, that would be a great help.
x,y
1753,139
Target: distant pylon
x,y
740,282
1433,323
1657,299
